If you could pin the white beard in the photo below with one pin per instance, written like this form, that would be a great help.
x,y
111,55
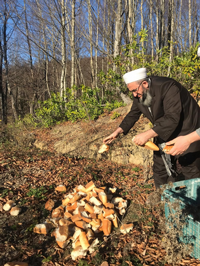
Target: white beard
x,y
146,98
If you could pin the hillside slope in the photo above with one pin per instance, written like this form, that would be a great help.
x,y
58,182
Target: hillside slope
x,y
84,139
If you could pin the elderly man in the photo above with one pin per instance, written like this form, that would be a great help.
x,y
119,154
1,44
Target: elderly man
x,y
173,112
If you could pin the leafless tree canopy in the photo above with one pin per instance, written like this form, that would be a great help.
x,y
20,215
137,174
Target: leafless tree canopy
x,y
47,46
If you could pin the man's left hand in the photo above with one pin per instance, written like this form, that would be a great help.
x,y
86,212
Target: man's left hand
x,y
142,138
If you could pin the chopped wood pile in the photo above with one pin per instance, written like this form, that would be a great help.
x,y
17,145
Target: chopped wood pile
x,y
85,214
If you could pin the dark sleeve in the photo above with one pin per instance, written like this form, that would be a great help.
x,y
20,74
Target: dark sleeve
x,y
172,107
130,119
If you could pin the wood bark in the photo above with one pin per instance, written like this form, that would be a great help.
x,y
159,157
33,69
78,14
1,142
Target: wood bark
x,y
103,34
46,63
131,25
169,22
151,27
157,29
190,23
5,55
28,40
196,23
63,50
91,42
1,83
142,25
72,43
118,29
97,41
13,102
5,106
163,23
171,35
118,32
180,24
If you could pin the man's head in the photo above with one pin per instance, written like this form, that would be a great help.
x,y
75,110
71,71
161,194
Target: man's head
x,y
137,83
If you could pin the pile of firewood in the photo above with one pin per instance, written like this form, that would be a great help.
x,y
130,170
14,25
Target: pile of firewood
x,y
84,215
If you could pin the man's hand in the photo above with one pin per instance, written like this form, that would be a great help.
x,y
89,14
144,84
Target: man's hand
x,y
113,136
142,138
181,144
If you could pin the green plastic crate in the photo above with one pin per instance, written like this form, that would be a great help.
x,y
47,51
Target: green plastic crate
x,y
187,195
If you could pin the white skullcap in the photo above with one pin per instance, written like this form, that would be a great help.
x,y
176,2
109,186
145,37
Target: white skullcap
x,y
135,75
198,52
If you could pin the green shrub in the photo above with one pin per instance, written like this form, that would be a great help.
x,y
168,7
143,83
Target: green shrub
x,y
56,109
114,115
109,106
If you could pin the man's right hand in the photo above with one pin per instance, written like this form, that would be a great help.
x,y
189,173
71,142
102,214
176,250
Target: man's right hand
x,y
113,136
181,144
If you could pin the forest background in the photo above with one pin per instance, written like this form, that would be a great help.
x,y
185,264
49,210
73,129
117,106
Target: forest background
x,y
64,59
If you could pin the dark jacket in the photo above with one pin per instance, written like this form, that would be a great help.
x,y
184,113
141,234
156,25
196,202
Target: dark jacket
x,y
174,110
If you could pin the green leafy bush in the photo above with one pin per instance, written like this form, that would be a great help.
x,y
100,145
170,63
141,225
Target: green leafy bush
x,y
109,106
114,115
58,109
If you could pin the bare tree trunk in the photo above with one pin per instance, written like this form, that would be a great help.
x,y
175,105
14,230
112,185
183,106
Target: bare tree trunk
x,y
53,66
13,105
151,26
142,25
5,106
97,40
55,81
91,45
190,24
30,53
171,36
46,54
161,28
1,84
157,29
131,25
103,35
117,43
63,71
169,22
185,36
28,40
196,25
82,80
180,24
118,30
194,22
8,89
73,46
134,4
109,33
32,104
